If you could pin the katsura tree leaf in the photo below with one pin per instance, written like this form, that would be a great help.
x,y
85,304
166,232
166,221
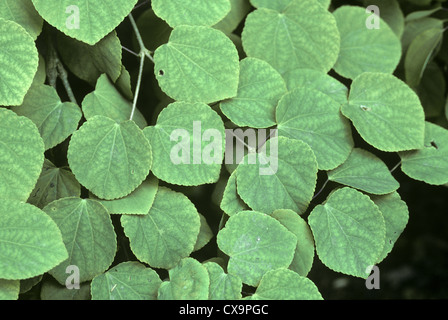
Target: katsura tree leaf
x,y
167,233
366,172
88,21
56,120
396,215
109,159
54,183
41,74
313,117
238,11
364,49
256,243
21,155
89,62
416,15
318,80
138,201
386,112
128,280
304,252
191,12
281,176
189,280
349,232
187,150
259,90
88,235
30,241
223,286
24,13
154,31
391,13
415,27
53,290
27,284
281,5
9,289
19,60
290,39
231,203
107,101
430,163
285,284
205,234
198,64
420,53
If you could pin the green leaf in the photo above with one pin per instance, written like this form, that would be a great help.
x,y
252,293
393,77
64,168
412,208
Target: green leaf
x,y
138,201
187,150
54,183
415,27
56,120
431,90
421,14
107,101
291,39
88,21
128,280
52,290
313,117
396,215
30,241
19,60
304,252
189,280
9,289
88,235
391,13
256,243
366,172
231,203
238,11
259,90
318,80
223,286
349,232
167,233
420,53
89,62
109,159
22,12
205,234
191,12
430,163
198,64
287,182
386,112
364,49
21,155
281,5
284,284
154,31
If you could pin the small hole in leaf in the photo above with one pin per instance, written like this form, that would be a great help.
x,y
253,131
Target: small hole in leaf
x,y
161,72
364,108
433,143
52,185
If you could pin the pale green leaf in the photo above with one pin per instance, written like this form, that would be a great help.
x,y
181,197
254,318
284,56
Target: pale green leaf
x,y
9,289
205,234
198,64
304,35
107,101
21,155
167,233
52,290
284,284
313,117
281,5
259,90
349,232
19,60
88,21
54,183
256,243
109,159
430,163
189,149
129,280
364,49
391,13
24,13
304,252
281,176
30,241
386,112
223,286
366,172
231,203
191,12
88,235
56,120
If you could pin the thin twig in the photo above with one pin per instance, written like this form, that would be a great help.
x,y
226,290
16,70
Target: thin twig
x,y
321,189
395,167
64,78
130,51
137,88
143,50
